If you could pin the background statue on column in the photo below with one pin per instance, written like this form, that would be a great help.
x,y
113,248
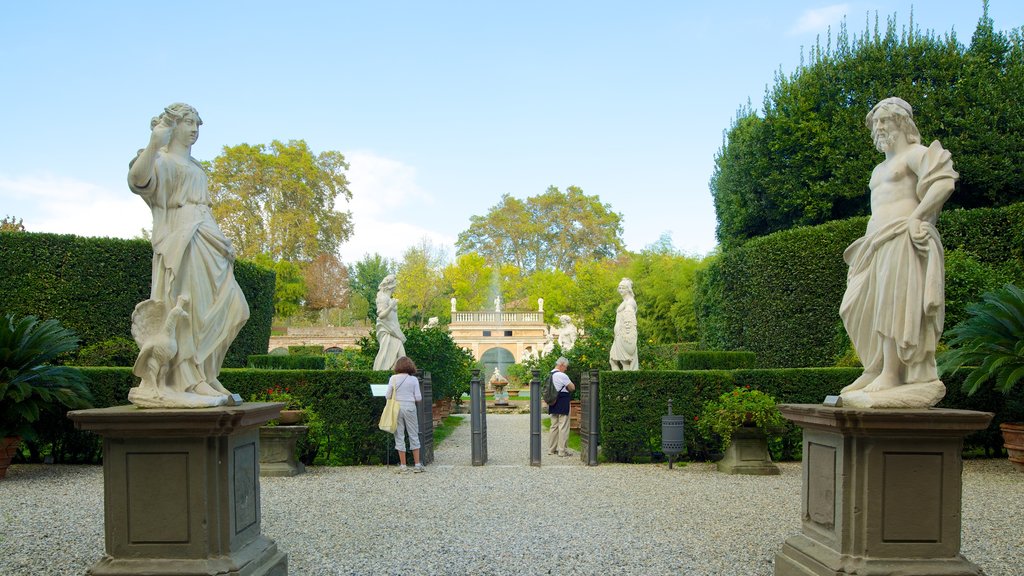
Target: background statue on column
x,y
623,355
894,305
389,333
567,333
195,307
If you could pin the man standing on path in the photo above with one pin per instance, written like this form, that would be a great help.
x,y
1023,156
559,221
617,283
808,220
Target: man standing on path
x,y
558,437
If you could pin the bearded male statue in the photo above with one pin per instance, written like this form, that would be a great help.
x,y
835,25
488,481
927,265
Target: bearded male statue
x,y
894,305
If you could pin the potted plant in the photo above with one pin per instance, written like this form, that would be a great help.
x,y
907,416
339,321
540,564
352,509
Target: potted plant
x,y
742,418
29,384
990,343
292,413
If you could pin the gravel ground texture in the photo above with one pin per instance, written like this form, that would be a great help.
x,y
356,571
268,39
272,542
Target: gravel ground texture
x,y
502,518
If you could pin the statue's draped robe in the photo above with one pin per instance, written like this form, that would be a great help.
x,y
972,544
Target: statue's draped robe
x,y
895,286
192,256
624,348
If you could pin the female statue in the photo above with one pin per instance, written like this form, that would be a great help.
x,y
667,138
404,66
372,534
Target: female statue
x,y
623,355
389,333
193,269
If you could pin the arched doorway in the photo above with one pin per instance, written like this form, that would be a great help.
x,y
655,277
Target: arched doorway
x,y
496,358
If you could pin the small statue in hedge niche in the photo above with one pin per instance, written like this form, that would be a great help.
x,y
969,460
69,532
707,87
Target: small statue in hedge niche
x,y
894,305
195,308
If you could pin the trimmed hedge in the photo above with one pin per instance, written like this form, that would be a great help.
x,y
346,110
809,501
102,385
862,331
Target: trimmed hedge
x,y
715,360
632,404
289,362
778,296
341,399
93,284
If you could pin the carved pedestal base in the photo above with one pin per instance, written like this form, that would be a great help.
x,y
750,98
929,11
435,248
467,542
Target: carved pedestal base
x,y
182,491
881,492
277,450
747,453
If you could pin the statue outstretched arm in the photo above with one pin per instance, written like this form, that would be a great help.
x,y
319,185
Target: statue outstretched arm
x,y
140,172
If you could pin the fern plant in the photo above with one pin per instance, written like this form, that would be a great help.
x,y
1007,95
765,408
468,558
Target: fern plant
x,y
990,343
29,384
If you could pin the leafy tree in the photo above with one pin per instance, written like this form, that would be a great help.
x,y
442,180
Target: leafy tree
x,y
366,277
280,200
551,231
289,285
10,224
808,158
475,283
326,281
419,289
664,281
558,290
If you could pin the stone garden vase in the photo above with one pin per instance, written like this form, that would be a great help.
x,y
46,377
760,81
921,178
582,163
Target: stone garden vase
x,y
8,448
291,417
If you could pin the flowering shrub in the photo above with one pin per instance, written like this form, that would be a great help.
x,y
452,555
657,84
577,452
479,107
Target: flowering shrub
x,y
278,394
738,408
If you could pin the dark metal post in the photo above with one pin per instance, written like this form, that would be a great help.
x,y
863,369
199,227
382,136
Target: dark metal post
x,y
478,419
535,433
426,418
590,422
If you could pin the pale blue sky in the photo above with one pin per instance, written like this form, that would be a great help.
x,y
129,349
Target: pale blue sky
x,y
440,107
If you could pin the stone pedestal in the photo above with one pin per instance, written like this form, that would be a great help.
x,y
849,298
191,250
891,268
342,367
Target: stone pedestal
x,y
881,492
747,453
277,450
182,491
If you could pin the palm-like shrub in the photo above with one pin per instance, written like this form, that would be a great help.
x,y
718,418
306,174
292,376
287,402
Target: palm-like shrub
x,y
29,385
990,342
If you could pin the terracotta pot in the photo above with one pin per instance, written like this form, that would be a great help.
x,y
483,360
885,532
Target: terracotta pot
x,y
575,410
289,417
8,448
1013,441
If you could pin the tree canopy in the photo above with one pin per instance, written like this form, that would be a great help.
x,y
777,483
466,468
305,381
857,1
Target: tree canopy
x,y
279,200
366,276
419,290
326,281
12,224
551,231
808,158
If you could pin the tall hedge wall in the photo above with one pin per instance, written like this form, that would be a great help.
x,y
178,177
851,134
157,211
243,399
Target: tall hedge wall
x,y
778,295
93,284
632,404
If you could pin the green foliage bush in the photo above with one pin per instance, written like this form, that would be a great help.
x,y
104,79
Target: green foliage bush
x,y
715,360
93,284
115,351
289,362
306,350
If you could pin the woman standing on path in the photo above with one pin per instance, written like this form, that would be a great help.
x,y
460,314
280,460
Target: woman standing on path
x,y
405,387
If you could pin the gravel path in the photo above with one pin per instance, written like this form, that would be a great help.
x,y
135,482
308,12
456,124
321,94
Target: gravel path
x,y
502,518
